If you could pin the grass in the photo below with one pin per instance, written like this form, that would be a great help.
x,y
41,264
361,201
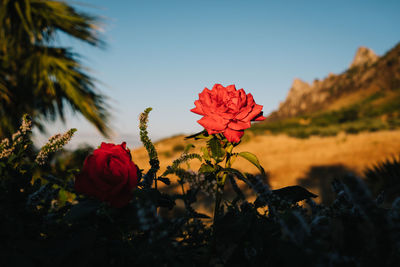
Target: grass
x,y
378,111
288,159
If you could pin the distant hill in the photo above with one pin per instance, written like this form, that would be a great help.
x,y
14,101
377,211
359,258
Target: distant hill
x,y
364,97
368,73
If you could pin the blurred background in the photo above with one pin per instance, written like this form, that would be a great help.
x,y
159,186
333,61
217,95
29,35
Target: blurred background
x,y
327,74
163,53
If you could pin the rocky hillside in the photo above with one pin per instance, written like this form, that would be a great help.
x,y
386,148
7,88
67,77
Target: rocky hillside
x,y
367,74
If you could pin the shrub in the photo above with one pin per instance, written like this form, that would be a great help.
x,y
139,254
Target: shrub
x,y
273,230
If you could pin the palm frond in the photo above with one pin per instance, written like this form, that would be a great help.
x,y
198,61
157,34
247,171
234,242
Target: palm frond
x,y
39,78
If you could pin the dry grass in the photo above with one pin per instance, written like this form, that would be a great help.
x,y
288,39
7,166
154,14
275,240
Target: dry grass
x,y
287,159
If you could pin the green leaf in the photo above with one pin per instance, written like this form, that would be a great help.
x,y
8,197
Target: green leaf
x,y
182,159
206,168
206,154
238,175
252,159
236,188
200,135
217,152
199,215
165,180
294,193
166,201
188,147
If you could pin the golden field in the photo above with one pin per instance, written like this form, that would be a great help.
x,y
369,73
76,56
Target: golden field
x,y
289,159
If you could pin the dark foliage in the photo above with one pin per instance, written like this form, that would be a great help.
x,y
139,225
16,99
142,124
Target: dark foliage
x,y
36,229
384,178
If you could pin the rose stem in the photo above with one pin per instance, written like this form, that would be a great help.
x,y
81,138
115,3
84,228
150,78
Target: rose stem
x,y
220,185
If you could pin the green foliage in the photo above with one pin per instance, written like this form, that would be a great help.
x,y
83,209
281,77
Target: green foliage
x,y
37,75
151,150
38,228
384,177
216,150
54,144
252,159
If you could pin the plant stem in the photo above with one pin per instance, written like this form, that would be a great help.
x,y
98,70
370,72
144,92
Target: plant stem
x,y
221,183
183,189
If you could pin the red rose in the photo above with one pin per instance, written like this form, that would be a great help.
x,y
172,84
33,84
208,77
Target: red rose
x,y
227,110
109,175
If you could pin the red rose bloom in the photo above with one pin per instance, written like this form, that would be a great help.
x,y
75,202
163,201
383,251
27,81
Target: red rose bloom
x,y
227,110
109,175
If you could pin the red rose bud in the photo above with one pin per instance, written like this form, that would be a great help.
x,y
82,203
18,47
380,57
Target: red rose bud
x,y
227,110
109,175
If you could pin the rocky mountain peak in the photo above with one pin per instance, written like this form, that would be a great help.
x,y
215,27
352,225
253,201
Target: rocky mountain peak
x,y
297,91
299,85
368,73
364,55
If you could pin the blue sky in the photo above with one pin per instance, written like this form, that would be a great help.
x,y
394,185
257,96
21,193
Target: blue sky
x,y
161,54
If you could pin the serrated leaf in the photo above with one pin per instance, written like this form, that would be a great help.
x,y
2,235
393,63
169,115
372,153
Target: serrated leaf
x,y
217,152
199,215
166,201
188,147
165,180
252,159
200,135
191,196
206,154
238,175
206,168
294,193
11,158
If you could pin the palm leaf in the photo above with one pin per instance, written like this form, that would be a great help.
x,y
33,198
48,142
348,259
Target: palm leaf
x,y
37,76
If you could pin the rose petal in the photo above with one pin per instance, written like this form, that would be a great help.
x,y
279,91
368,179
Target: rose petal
x,y
198,109
217,87
239,125
260,117
205,98
250,100
117,170
233,136
213,123
106,146
231,88
242,98
228,115
94,168
121,150
84,185
227,110
108,174
132,173
244,112
254,113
